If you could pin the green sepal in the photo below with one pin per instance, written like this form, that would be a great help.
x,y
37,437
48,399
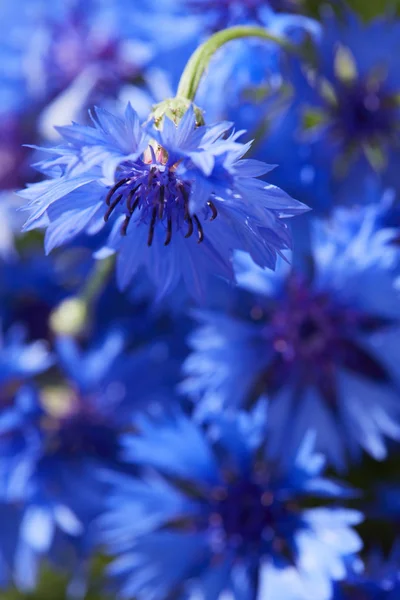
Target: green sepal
x,y
174,109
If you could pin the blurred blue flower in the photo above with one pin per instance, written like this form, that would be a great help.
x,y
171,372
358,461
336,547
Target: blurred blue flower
x,y
214,514
101,44
62,421
321,340
342,121
356,107
60,58
179,208
19,363
55,442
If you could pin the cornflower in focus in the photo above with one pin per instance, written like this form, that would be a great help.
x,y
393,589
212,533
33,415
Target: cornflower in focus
x,y
180,199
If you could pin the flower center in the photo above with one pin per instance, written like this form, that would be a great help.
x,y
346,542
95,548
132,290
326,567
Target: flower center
x,y
242,512
76,430
157,196
305,327
75,46
313,335
249,516
364,112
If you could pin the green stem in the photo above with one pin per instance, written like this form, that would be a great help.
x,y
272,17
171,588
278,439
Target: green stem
x,y
97,279
200,59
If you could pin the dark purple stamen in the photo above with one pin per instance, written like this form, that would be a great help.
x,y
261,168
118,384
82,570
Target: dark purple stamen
x,y
112,206
169,232
125,224
185,202
132,207
190,228
152,225
159,196
214,211
161,202
114,189
200,232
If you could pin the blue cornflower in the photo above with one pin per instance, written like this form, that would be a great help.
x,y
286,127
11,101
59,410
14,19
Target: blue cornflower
x,y
334,128
357,83
346,112
321,340
75,51
55,442
180,199
19,363
59,58
214,515
63,425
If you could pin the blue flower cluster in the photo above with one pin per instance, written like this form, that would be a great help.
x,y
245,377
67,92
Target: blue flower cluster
x,y
199,300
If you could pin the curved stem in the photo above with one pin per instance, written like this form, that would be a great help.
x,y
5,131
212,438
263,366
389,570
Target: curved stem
x,y
200,59
97,279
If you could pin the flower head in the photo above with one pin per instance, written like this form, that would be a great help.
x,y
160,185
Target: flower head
x,y
60,426
180,199
335,130
220,517
64,57
358,88
19,363
90,48
320,341
55,442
